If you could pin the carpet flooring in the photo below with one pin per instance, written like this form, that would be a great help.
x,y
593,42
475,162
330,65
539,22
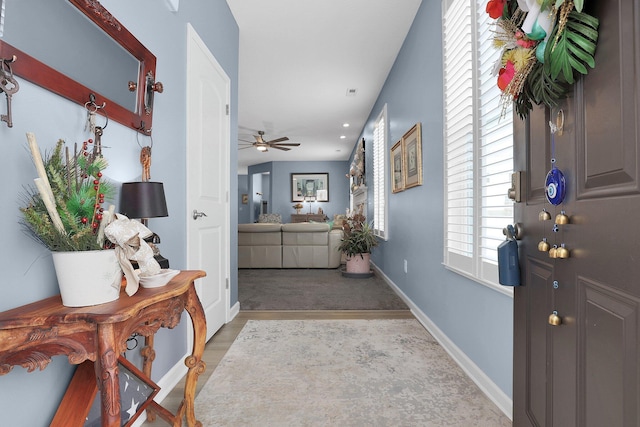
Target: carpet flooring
x,y
313,289
341,373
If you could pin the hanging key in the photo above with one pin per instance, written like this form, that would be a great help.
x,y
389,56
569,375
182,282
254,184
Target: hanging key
x,y
9,86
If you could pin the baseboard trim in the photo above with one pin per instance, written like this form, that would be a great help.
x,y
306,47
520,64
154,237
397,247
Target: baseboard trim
x,y
233,311
488,387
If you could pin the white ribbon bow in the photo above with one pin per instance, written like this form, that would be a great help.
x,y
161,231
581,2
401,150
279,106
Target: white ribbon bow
x,y
128,236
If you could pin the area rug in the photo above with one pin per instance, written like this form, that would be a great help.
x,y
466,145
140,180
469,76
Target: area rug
x,y
313,289
341,373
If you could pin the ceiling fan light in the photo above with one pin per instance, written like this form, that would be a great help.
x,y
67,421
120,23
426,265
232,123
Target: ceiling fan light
x,y
261,148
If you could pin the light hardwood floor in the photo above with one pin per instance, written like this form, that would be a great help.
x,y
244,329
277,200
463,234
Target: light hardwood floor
x,y
217,347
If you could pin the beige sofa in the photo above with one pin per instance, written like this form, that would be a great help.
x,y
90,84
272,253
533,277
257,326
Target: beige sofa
x,y
300,245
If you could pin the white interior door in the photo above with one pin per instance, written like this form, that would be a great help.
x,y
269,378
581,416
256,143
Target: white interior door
x,y
208,142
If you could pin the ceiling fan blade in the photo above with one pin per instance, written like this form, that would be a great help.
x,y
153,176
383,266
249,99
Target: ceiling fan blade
x,y
284,138
244,148
290,144
280,148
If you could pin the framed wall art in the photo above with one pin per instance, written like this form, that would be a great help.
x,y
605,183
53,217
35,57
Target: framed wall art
x,y
412,149
309,185
397,176
136,393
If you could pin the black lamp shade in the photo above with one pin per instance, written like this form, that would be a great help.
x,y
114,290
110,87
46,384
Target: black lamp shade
x,y
143,200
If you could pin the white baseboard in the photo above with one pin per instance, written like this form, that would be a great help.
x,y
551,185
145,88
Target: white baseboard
x,y
233,311
488,387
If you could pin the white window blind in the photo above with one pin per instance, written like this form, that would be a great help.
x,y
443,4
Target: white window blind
x,y
379,176
478,143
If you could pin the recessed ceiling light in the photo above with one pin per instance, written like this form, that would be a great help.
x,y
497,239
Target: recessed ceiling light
x,y
342,136
345,125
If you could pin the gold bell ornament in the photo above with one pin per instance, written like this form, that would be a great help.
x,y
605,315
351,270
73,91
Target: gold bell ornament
x,y
562,252
544,215
543,246
553,252
554,319
562,218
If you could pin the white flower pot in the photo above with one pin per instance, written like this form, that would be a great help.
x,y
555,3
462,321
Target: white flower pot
x,y
87,277
358,264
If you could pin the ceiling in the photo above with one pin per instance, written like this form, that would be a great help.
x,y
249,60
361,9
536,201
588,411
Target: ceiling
x,y
300,61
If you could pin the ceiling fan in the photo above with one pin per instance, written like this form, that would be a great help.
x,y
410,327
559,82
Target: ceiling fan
x,y
261,145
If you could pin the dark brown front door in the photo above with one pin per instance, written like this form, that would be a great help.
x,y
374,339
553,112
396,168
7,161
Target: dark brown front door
x,y
584,371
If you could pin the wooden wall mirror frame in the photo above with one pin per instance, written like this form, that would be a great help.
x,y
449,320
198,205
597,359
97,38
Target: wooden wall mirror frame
x,y
31,69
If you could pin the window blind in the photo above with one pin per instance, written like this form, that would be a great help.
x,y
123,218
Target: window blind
x,y
478,143
379,176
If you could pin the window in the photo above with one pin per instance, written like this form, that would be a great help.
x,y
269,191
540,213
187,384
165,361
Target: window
x,y
379,176
478,144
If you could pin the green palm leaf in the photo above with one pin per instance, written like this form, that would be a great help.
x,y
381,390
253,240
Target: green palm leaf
x,y
575,48
544,89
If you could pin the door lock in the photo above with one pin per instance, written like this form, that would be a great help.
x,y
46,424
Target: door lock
x,y
515,192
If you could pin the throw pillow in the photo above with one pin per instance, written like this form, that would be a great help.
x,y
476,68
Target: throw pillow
x,y
270,218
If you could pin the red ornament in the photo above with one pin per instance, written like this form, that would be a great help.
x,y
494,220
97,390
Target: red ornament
x,y
99,174
99,217
84,220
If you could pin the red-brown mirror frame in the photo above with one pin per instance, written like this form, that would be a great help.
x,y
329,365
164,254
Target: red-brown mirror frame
x,y
36,72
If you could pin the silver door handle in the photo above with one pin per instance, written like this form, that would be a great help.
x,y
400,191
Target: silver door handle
x,y
197,214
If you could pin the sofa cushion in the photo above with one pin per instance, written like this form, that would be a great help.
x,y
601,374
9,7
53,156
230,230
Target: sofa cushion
x,y
259,235
305,227
259,228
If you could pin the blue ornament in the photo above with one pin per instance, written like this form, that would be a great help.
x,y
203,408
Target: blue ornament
x,y
555,186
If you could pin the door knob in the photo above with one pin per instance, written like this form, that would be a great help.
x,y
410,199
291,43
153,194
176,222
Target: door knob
x,y
554,319
197,214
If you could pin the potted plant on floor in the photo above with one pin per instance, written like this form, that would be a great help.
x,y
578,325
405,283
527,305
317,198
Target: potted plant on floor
x,y
64,212
357,242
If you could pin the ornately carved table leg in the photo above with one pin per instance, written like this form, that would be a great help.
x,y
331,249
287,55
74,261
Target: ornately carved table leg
x,y
194,362
148,356
106,367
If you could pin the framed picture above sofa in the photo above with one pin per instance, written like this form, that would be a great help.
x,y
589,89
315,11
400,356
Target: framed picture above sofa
x,y
310,187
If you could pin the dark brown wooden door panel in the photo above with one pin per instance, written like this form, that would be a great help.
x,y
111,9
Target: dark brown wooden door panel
x,y
586,370
606,123
538,154
530,363
610,375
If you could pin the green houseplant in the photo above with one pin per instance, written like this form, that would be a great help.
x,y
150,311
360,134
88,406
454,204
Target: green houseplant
x,y
64,212
357,242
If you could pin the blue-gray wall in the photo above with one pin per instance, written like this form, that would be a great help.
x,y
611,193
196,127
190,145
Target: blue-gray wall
x,y
279,193
27,268
476,318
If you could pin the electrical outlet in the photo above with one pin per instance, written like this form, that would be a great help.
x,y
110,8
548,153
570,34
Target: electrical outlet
x,y
405,265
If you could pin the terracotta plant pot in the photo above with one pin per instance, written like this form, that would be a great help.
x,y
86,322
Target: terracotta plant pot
x,y
358,264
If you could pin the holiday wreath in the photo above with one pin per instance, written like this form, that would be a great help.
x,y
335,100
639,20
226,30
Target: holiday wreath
x,y
545,45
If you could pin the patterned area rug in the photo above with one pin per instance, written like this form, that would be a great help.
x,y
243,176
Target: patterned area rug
x,y
341,373
313,289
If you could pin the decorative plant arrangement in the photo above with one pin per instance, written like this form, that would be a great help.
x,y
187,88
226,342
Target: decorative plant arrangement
x,y
298,207
64,211
546,45
358,236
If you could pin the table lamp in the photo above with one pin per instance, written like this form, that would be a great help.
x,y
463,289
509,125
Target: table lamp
x,y
309,199
144,200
